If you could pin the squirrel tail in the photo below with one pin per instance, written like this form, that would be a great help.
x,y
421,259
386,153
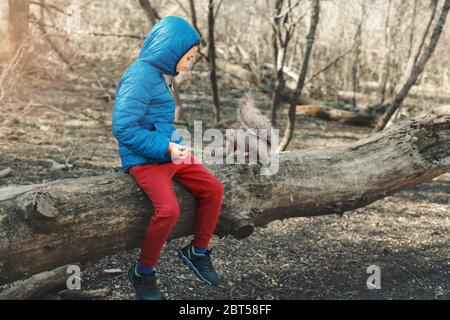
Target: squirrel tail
x,y
251,118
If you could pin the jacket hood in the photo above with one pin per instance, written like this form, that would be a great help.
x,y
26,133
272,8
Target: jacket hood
x,y
168,42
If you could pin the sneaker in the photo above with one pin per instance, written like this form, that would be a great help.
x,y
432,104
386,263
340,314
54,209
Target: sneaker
x,y
200,264
144,286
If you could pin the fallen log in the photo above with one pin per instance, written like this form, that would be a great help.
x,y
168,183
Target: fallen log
x,y
335,114
44,226
83,294
38,285
5,172
318,109
238,71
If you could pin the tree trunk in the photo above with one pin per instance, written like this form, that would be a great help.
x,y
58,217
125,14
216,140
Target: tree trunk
x,y
13,26
413,29
301,81
279,87
194,20
212,61
179,115
434,4
44,226
279,58
356,63
150,11
387,54
417,70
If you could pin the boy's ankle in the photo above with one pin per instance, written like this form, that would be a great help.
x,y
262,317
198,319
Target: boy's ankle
x,y
143,270
197,250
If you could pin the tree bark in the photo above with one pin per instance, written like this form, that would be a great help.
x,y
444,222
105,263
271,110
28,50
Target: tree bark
x,y
417,70
13,26
44,226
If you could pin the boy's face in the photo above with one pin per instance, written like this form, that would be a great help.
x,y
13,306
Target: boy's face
x,y
187,60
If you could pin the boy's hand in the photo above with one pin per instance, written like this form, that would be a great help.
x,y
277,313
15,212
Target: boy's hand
x,y
177,151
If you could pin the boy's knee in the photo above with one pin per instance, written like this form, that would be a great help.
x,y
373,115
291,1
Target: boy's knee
x,y
169,212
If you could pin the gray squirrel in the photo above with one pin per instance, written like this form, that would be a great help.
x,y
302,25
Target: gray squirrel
x,y
255,125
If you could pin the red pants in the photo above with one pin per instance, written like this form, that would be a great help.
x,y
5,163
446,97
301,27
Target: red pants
x,y
156,181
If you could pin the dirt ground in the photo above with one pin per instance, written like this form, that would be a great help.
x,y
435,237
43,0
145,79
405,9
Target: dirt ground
x,y
65,132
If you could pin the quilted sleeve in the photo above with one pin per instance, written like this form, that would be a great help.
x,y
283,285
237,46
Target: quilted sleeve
x,y
131,104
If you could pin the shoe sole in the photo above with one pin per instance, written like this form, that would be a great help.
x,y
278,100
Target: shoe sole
x,y
193,268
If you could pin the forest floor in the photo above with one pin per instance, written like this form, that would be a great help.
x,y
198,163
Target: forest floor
x,y
65,133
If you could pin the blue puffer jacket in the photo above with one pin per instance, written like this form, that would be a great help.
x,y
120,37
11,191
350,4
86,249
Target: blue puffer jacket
x,y
144,109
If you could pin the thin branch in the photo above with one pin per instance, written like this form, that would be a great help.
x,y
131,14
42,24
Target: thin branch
x,y
51,6
183,8
152,14
287,11
434,4
117,35
332,63
217,9
95,33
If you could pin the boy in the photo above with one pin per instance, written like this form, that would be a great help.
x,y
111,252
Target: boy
x,y
142,123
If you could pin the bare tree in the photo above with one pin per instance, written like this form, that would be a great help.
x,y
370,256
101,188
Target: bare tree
x,y
433,4
283,28
212,61
54,45
417,70
302,77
